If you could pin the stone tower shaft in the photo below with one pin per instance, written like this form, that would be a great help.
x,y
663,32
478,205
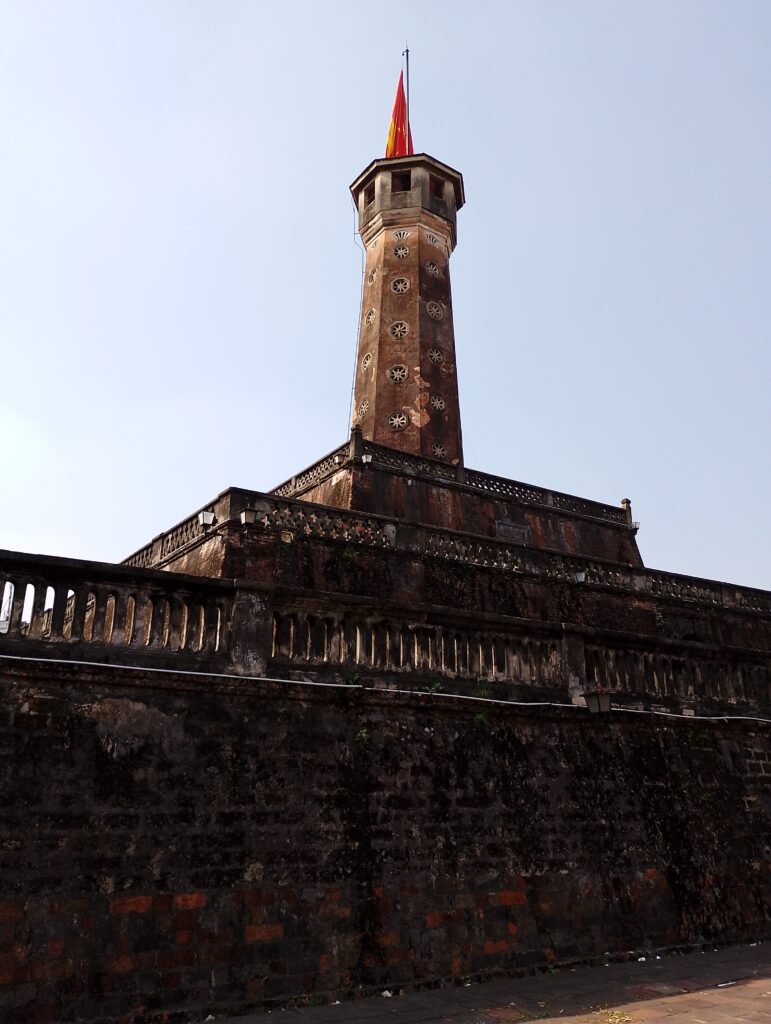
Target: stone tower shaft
x,y
406,389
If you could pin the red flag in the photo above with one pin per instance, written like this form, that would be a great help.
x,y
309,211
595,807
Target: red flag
x,y
399,142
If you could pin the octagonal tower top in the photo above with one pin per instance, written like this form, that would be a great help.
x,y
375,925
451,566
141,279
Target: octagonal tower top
x,y
419,182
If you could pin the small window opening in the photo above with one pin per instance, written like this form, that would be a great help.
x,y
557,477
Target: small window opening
x,y
369,194
401,181
437,187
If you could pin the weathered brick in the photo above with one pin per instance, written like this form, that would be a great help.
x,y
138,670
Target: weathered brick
x,y
491,947
130,904
264,932
335,912
51,970
190,901
510,898
122,964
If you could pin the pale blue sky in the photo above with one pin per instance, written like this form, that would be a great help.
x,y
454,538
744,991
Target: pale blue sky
x,y
179,280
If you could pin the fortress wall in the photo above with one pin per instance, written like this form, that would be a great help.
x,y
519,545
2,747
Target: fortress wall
x,y
177,844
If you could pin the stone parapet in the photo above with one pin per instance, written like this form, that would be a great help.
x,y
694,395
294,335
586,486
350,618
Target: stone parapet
x,y
333,595
434,470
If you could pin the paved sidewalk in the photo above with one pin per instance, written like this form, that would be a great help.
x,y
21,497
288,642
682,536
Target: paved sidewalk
x,y
699,988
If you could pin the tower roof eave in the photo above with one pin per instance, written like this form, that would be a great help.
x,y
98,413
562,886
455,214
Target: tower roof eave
x,y
411,161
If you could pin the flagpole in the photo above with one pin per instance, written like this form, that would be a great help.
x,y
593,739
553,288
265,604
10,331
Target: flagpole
x,y
406,53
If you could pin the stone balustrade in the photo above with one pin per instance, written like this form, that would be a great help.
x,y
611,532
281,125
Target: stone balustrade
x,y
55,607
279,515
104,610
508,661
305,520
435,469
316,473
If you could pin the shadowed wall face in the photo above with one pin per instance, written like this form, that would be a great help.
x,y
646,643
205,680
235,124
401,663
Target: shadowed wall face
x,y
181,843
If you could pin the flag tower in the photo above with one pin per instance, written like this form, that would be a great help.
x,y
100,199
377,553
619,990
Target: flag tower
x,y
405,390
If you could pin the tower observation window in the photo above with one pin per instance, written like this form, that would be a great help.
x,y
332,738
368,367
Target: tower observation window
x,y
401,181
369,194
437,187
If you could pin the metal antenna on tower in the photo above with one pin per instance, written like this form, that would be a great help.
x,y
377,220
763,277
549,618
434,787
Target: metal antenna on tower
x,y
406,54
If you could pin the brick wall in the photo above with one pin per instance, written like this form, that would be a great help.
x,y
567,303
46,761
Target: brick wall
x,y
176,845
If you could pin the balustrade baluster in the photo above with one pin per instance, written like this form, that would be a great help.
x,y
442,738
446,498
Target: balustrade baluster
x,y
499,656
348,647
411,649
423,648
447,651
155,636
380,645
38,604
101,594
364,644
302,637
395,652
316,647
132,629
225,608
334,653
176,623
79,607
211,628
119,614
17,605
459,653
475,655
282,644
59,610
439,663
193,625
143,616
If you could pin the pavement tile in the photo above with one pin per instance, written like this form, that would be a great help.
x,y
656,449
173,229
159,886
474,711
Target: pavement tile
x,y
669,990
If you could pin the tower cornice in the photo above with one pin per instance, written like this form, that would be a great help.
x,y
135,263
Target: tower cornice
x,y
407,162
